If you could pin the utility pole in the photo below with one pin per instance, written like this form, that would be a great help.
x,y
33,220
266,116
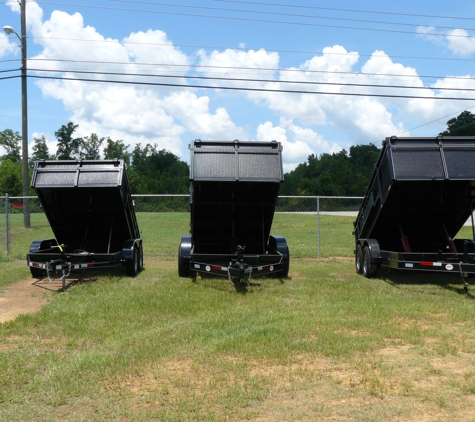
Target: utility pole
x,y
24,118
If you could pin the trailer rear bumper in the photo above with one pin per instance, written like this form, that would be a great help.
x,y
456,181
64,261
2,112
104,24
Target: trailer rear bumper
x,y
228,266
438,262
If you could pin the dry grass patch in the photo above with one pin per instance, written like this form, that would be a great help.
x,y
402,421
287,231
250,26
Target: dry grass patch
x,y
395,383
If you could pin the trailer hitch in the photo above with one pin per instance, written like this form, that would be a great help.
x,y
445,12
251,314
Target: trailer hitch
x,y
52,272
238,269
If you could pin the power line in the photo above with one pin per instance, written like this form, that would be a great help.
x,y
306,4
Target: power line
x,y
256,80
354,94
235,18
279,14
345,10
436,120
259,69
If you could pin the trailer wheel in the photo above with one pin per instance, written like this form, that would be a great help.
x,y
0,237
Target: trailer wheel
x,y
140,258
184,258
359,259
285,271
369,270
37,272
133,264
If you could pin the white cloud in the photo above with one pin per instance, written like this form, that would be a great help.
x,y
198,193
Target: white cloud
x,y
194,113
456,40
7,46
132,113
460,43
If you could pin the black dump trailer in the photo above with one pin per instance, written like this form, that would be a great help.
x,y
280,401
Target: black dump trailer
x,y
234,189
421,193
91,213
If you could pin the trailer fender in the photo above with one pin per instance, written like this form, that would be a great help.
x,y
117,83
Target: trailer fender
x,y
373,247
128,248
280,245
184,256
43,245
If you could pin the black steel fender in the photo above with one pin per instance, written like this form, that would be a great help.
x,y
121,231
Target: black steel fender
x,y
184,256
373,246
128,248
279,244
43,245
184,250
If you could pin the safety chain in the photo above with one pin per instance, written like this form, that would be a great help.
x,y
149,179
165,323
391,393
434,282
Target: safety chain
x,y
465,284
49,271
246,282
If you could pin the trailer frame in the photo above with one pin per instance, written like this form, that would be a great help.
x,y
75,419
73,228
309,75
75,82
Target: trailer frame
x,y
229,178
413,179
85,202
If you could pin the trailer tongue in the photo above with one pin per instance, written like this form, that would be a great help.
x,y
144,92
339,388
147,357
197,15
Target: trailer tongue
x,y
91,213
234,188
420,195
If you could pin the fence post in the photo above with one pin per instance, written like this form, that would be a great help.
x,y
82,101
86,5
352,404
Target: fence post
x,y
318,226
7,223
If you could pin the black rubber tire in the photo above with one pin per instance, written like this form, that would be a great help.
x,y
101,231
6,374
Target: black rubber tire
x,y
285,271
369,270
133,264
140,258
183,267
37,272
359,259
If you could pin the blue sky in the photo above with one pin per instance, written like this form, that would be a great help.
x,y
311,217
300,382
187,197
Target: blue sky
x,y
319,49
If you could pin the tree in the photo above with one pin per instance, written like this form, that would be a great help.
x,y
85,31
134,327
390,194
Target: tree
x,y
157,171
11,142
40,150
116,149
89,147
462,125
11,178
337,174
68,147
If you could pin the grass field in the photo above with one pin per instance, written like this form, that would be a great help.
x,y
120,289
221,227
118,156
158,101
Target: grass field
x,y
323,344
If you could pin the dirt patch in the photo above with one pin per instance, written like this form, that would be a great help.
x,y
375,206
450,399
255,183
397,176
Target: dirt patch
x,y
26,297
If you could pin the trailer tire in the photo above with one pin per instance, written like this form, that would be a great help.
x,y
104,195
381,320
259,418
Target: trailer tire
x,y
359,259
140,258
37,272
133,264
184,258
285,270
368,269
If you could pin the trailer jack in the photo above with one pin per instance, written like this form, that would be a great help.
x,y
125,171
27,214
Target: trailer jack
x,y
52,270
464,280
239,271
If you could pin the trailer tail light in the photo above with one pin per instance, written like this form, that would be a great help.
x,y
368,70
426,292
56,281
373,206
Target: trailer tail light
x,y
431,264
218,268
79,266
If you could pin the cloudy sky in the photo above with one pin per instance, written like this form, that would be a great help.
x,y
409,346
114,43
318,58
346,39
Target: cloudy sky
x,y
316,76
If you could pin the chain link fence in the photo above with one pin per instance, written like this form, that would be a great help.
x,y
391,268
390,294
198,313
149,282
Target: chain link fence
x,y
314,226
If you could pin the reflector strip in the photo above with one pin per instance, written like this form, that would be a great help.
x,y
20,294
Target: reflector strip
x,y
431,264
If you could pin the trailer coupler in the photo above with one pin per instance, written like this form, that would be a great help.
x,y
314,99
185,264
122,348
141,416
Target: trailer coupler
x,y
240,271
57,268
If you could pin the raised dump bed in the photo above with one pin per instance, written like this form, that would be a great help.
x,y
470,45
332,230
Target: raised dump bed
x,y
421,193
91,213
234,188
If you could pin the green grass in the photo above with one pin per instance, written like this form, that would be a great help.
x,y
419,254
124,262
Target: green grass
x,y
324,344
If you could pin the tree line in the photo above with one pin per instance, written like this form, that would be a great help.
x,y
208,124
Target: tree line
x,y
154,171
150,169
